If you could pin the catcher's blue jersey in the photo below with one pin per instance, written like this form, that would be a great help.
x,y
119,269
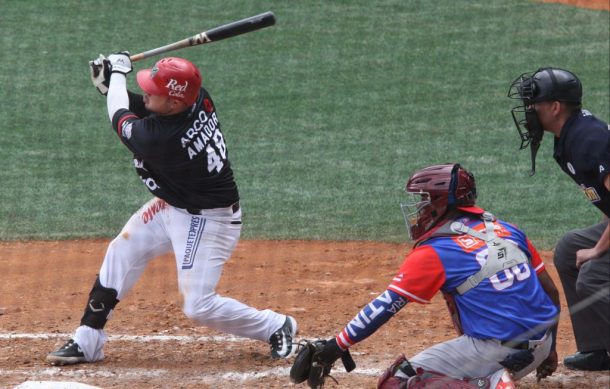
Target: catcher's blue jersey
x,y
508,305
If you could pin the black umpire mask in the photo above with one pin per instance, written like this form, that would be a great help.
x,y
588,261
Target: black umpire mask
x,y
545,84
526,118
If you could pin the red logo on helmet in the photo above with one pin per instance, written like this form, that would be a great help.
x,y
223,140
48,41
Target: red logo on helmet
x,y
173,77
175,89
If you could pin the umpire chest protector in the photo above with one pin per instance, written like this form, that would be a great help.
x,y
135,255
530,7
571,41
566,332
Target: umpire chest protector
x,y
502,253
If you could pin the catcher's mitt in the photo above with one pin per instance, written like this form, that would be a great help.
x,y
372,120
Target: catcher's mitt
x,y
313,366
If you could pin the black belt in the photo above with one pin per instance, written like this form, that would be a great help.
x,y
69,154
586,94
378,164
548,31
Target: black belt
x,y
196,211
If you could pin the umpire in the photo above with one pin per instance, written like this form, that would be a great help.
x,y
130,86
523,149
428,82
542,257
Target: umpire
x,y
551,101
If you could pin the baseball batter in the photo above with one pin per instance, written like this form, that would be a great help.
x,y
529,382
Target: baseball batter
x,y
503,303
181,156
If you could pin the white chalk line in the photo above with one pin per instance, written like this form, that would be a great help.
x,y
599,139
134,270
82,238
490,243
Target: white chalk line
x,y
133,338
139,373
234,376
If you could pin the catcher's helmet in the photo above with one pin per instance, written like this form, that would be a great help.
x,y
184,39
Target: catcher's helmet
x,y
434,191
545,84
173,77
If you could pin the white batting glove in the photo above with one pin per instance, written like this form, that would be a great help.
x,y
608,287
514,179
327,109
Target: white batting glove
x,y
120,62
99,70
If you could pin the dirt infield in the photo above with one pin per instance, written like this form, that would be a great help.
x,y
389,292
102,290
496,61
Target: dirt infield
x,y
322,284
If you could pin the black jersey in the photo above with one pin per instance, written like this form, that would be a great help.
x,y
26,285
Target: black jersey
x,y
182,158
583,152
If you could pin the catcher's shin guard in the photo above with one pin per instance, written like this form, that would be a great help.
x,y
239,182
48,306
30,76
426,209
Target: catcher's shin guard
x,y
101,303
389,380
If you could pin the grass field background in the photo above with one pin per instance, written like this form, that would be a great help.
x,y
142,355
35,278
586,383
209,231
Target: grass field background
x,y
326,114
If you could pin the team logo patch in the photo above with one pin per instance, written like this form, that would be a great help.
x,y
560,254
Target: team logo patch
x,y
601,169
126,129
207,105
156,207
468,243
591,194
571,168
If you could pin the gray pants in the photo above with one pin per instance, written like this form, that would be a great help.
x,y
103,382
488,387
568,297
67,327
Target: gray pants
x,y
469,357
587,289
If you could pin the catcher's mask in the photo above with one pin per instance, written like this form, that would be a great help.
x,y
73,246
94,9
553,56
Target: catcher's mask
x,y
545,84
432,192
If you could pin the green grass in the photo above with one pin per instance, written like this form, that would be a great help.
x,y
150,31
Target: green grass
x,y
326,113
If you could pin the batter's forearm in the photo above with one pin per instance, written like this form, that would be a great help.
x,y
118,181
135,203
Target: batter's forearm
x,y
117,94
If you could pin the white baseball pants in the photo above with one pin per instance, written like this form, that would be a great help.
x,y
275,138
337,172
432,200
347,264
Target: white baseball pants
x,y
201,245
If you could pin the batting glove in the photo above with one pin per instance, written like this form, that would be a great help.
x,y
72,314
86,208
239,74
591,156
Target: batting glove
x,y
120,62
99,70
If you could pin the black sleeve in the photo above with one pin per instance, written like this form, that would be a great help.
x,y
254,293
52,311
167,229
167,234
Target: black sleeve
x,y
595,152
142,136
136,104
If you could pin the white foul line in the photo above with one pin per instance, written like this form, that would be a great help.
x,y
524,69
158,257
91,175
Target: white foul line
x,y
136,373
134,338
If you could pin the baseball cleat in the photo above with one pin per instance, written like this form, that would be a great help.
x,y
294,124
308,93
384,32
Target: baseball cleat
x,y
281,340
68,354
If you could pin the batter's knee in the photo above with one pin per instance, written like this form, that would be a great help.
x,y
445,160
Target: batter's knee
x,y
199,308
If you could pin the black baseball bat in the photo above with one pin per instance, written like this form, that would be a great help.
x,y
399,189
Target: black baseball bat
x,y
225,31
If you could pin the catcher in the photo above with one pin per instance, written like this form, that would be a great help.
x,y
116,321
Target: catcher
x,y
503,303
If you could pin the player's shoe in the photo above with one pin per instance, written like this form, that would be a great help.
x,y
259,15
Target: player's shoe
x,y
281,340
506,381
68,354
592,361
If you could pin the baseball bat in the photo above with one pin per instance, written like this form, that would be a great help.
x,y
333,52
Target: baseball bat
x,y
229,30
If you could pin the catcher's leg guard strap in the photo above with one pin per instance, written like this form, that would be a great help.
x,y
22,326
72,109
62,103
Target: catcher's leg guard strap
x,y
101,303
391,379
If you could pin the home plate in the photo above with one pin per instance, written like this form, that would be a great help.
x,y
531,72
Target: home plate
x,y
54,385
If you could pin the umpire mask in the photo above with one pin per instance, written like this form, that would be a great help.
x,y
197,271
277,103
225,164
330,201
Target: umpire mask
x,y
525,116
545,84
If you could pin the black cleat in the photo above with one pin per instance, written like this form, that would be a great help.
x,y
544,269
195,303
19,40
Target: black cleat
x,y
68,354
281,340
598,360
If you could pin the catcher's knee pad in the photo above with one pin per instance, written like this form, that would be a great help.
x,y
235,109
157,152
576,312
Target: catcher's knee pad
x,y
101,303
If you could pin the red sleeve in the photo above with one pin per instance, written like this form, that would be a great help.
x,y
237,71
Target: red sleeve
x,y
420,276
537,263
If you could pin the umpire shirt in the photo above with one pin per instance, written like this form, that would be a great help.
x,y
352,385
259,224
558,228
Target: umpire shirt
x,y
583,152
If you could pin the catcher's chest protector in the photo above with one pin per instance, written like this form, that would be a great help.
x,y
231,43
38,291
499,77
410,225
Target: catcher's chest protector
x,y
502,253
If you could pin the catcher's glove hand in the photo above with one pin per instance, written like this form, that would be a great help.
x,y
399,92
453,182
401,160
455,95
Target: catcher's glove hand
x,y
315,360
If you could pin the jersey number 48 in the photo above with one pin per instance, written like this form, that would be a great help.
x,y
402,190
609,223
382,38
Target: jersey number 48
x,y
217,152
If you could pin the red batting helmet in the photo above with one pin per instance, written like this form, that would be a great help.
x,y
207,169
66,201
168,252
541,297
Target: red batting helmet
x,y
434,191
173,77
